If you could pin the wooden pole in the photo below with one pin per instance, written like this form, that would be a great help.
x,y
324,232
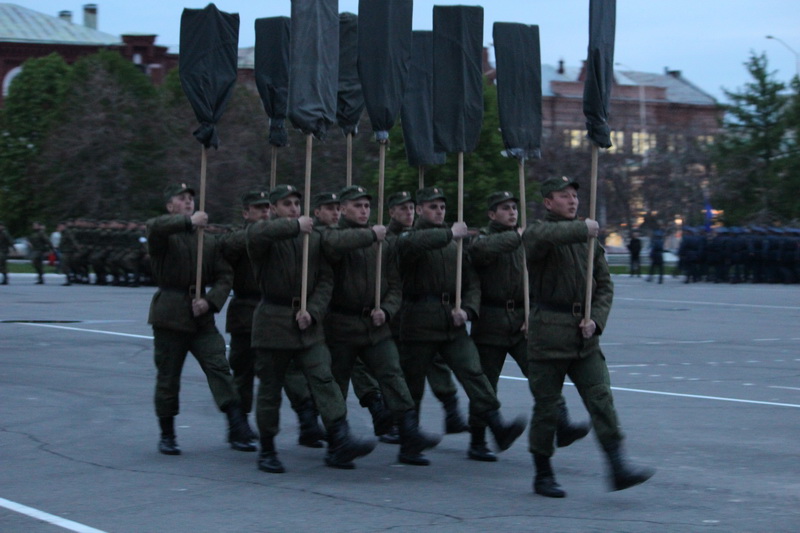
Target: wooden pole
x,y
459,261
523,222
421,176
306,211
379,257
587,307
273,168
198,285
349,159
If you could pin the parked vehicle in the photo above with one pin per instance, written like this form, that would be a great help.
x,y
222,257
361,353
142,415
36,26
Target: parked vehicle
x,y
22,249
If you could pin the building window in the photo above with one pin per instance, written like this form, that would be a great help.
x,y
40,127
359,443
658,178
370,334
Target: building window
x,y
574,138
643,142
9,78
617,142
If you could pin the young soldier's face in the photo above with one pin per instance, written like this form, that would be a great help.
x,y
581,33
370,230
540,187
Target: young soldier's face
x,y
254,213
181,204
328,214
563,202
403,213
432,211
505,213
288,207
357,210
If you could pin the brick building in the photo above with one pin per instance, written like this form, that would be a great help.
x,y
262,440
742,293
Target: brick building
x,y
25,33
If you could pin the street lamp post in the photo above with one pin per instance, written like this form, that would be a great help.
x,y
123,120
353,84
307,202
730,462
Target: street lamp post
x,y
792,50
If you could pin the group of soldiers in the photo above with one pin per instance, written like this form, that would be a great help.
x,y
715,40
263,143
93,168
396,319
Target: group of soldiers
x,y
740,255
325,301
114,250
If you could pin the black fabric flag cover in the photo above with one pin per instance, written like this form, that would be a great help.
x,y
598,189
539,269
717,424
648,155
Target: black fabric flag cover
x,y
384,54
599,71
457,77
350,100
519,88
314,65
416,114
272,73
209,51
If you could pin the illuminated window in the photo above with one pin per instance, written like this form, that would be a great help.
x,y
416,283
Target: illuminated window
x,y
643,142
617,142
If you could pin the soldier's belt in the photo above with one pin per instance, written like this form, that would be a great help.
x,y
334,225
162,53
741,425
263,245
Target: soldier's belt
x,y
441,297
293,302
363,312
508,305
575,309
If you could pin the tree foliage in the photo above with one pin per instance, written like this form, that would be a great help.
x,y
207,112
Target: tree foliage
x,y
752,154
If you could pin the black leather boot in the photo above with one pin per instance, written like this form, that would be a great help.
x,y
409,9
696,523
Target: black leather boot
x,y
382,418
545,481
623,474
566,431
478,451
311,433
453,419
413,441
268,458
504,434
343,448
168,445
239,430
392,436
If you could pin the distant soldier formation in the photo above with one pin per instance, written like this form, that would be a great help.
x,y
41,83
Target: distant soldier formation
x,y
752,254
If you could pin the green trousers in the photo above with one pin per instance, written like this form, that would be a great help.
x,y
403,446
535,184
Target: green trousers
x,y
382,361
590,376
242,358
460,355
208,347
315,363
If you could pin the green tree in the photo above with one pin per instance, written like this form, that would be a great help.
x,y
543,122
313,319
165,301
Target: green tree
x,y
749,152
32,107
105,154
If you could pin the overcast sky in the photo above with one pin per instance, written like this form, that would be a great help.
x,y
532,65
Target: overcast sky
x,y
707,40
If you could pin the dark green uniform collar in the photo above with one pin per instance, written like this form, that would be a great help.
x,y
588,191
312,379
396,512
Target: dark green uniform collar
x,y
552,217
346,223
423,223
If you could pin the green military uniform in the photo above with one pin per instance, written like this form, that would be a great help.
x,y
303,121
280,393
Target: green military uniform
x,y
275,248
239,323
173,245
40,245
427,257
69,247
499,259
6,242
557,254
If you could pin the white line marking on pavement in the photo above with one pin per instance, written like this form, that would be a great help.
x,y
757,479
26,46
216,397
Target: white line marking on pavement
x,y
758,306
88,330
679,395
47,517
779,387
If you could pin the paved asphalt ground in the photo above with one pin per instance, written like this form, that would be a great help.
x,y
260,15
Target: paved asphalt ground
x,y
705,380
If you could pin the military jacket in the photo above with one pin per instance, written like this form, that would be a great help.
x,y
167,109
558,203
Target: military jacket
x,y
40,244
557,252
275,248
246,293
5,242
352,251
172,245
499,259
427,255
69,244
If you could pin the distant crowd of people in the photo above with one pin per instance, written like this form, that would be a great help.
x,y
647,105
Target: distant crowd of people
x,y
726,255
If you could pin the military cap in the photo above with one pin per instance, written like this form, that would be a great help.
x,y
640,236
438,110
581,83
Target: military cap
x,y
175,189
258,197
557,184
354,192
324,198
429,194
499,197
282,191
399,197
